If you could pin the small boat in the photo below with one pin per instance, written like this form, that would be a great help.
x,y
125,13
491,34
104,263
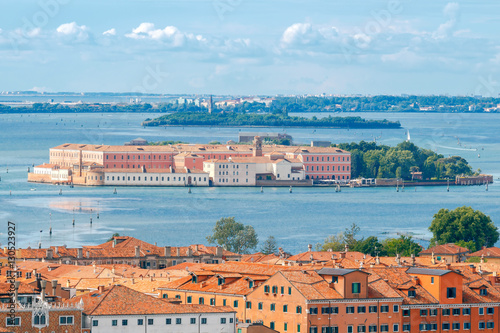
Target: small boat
x,y
33,189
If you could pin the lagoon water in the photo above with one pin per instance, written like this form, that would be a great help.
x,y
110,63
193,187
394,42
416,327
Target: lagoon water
x,y
172,216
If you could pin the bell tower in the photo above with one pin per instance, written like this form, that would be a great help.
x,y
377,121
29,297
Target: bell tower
x,y
257,146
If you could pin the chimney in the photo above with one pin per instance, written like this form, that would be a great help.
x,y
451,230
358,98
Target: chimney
x,y
137,251
57,249
113,280
178,252
88,254
132,281
377,260
167,251
413,259
218,251
151,278
416,280
309,248
48,253
43,284
68,283
100,288
54,287
95,269
189,252
448,266
113,269
114,242
398,259
16,290
342,255
79,253
196,248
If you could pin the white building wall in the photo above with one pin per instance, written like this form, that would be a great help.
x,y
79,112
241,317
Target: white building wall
x,y
155,179
42,171
231,173
213,323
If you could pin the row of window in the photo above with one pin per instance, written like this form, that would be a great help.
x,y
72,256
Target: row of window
x,y
226,166
139,157
344,168
40,320
447,312
327,158
326,177
235,180
359,328
275,289
168,321
122,178
423,327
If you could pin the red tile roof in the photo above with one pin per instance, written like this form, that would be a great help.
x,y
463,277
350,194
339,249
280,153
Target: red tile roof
x,y
120,300
445,249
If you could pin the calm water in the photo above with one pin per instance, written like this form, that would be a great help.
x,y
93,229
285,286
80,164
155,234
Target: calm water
x,y
171,216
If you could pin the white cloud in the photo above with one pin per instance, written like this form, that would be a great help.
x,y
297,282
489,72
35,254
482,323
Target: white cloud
x,y
451,12
73,31
170,34
110,32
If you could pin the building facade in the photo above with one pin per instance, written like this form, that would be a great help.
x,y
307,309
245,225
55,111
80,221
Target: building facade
x,y
189,165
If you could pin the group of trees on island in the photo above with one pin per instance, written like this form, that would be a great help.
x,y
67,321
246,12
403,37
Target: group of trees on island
x,y
370,160
266,120
463,226
285,105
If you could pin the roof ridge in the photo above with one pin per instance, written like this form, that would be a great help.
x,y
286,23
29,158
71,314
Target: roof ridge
x,y
102,300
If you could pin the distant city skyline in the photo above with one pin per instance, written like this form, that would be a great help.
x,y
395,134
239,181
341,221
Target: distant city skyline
x,y
237,47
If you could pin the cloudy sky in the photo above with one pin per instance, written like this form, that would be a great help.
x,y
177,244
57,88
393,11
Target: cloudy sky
x,y
251,46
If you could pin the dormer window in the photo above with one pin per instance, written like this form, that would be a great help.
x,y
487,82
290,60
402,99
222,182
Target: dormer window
x,y
412,293
335,279
221,281
250,284
483,292
194,279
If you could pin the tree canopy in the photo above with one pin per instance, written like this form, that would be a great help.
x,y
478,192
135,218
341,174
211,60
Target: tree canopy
x,y
233,236
370,160
463,225
268,120
403,245
269,246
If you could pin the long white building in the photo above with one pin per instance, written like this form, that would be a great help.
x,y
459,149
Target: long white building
x,y
121,309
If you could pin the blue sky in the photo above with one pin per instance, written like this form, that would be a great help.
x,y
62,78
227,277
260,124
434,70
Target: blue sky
x,y
251,46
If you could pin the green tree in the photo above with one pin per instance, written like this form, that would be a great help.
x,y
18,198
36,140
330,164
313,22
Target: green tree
x,y
463,224
113,236
233,236
370,246
470,245
403,246
269,246
350,235
333,242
